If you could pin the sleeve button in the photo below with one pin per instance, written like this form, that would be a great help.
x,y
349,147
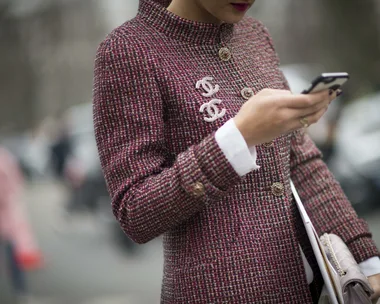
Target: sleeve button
x,y
198,189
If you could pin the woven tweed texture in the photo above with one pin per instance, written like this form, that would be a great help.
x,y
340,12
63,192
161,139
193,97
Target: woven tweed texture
x,y
226,239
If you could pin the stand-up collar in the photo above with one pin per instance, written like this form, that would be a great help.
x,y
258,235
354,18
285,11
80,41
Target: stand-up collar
x,y
154,13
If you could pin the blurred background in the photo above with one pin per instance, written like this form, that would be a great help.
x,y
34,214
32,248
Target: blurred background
x,y
75,251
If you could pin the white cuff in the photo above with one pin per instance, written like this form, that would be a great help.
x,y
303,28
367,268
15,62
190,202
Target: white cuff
x,y
234,147
371,266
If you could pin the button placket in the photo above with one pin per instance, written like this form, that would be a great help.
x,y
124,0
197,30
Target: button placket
x,y
269,144
247,93
278,189
225,54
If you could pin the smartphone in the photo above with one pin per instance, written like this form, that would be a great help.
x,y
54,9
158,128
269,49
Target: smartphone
x,y
327,81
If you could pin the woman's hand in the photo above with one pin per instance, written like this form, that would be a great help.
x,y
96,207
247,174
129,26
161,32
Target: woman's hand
x,y
375,283
272,113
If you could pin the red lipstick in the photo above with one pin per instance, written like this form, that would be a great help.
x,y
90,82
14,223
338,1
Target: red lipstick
x,y
241,7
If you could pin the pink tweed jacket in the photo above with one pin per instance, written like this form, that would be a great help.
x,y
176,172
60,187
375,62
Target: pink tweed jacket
x,y
227,239
14,224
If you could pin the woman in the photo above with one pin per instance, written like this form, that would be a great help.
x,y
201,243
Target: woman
x,y
21,249
198,137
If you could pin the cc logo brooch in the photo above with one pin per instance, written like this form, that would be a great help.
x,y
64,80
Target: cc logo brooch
x,y
211,107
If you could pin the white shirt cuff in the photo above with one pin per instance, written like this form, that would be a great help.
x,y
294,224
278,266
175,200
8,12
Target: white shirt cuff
x,y
371,266
234,147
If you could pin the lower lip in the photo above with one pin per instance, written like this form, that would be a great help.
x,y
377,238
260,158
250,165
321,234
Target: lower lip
x,y
240,7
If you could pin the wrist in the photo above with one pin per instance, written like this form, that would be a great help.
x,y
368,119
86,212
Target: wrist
x,y
244,132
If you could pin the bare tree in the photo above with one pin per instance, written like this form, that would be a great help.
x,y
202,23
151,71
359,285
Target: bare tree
x,y
47,58
341,35
17,82
354,39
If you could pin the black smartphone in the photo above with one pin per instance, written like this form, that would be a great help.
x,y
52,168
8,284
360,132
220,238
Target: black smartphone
x,y
327,81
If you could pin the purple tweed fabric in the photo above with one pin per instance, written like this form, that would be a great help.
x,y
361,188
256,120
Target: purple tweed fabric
x,y
227,239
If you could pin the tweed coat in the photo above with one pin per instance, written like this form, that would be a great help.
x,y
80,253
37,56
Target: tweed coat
x,y
226,238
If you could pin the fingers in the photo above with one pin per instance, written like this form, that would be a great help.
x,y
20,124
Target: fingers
x,y
299,121
376,296
319,105
312,114
311,102
272,92
283,110
374,281
314,118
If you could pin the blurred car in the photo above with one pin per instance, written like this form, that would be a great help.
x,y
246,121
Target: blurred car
x,y
31,152
83,173
82,168
356,160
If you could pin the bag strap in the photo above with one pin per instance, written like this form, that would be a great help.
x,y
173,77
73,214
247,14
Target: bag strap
x,y
301,208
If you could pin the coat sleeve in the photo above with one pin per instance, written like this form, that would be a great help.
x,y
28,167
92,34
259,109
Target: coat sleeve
x,y
150,193
324,200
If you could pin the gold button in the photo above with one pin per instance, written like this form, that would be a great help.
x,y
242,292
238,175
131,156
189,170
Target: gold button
x,y
278,189
225,54
247,93
198,189
268,144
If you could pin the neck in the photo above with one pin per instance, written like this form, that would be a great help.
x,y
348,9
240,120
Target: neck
x,y
192,10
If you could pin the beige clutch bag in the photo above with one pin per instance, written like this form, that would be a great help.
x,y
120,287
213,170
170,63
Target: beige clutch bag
x,y
344,281
352,285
